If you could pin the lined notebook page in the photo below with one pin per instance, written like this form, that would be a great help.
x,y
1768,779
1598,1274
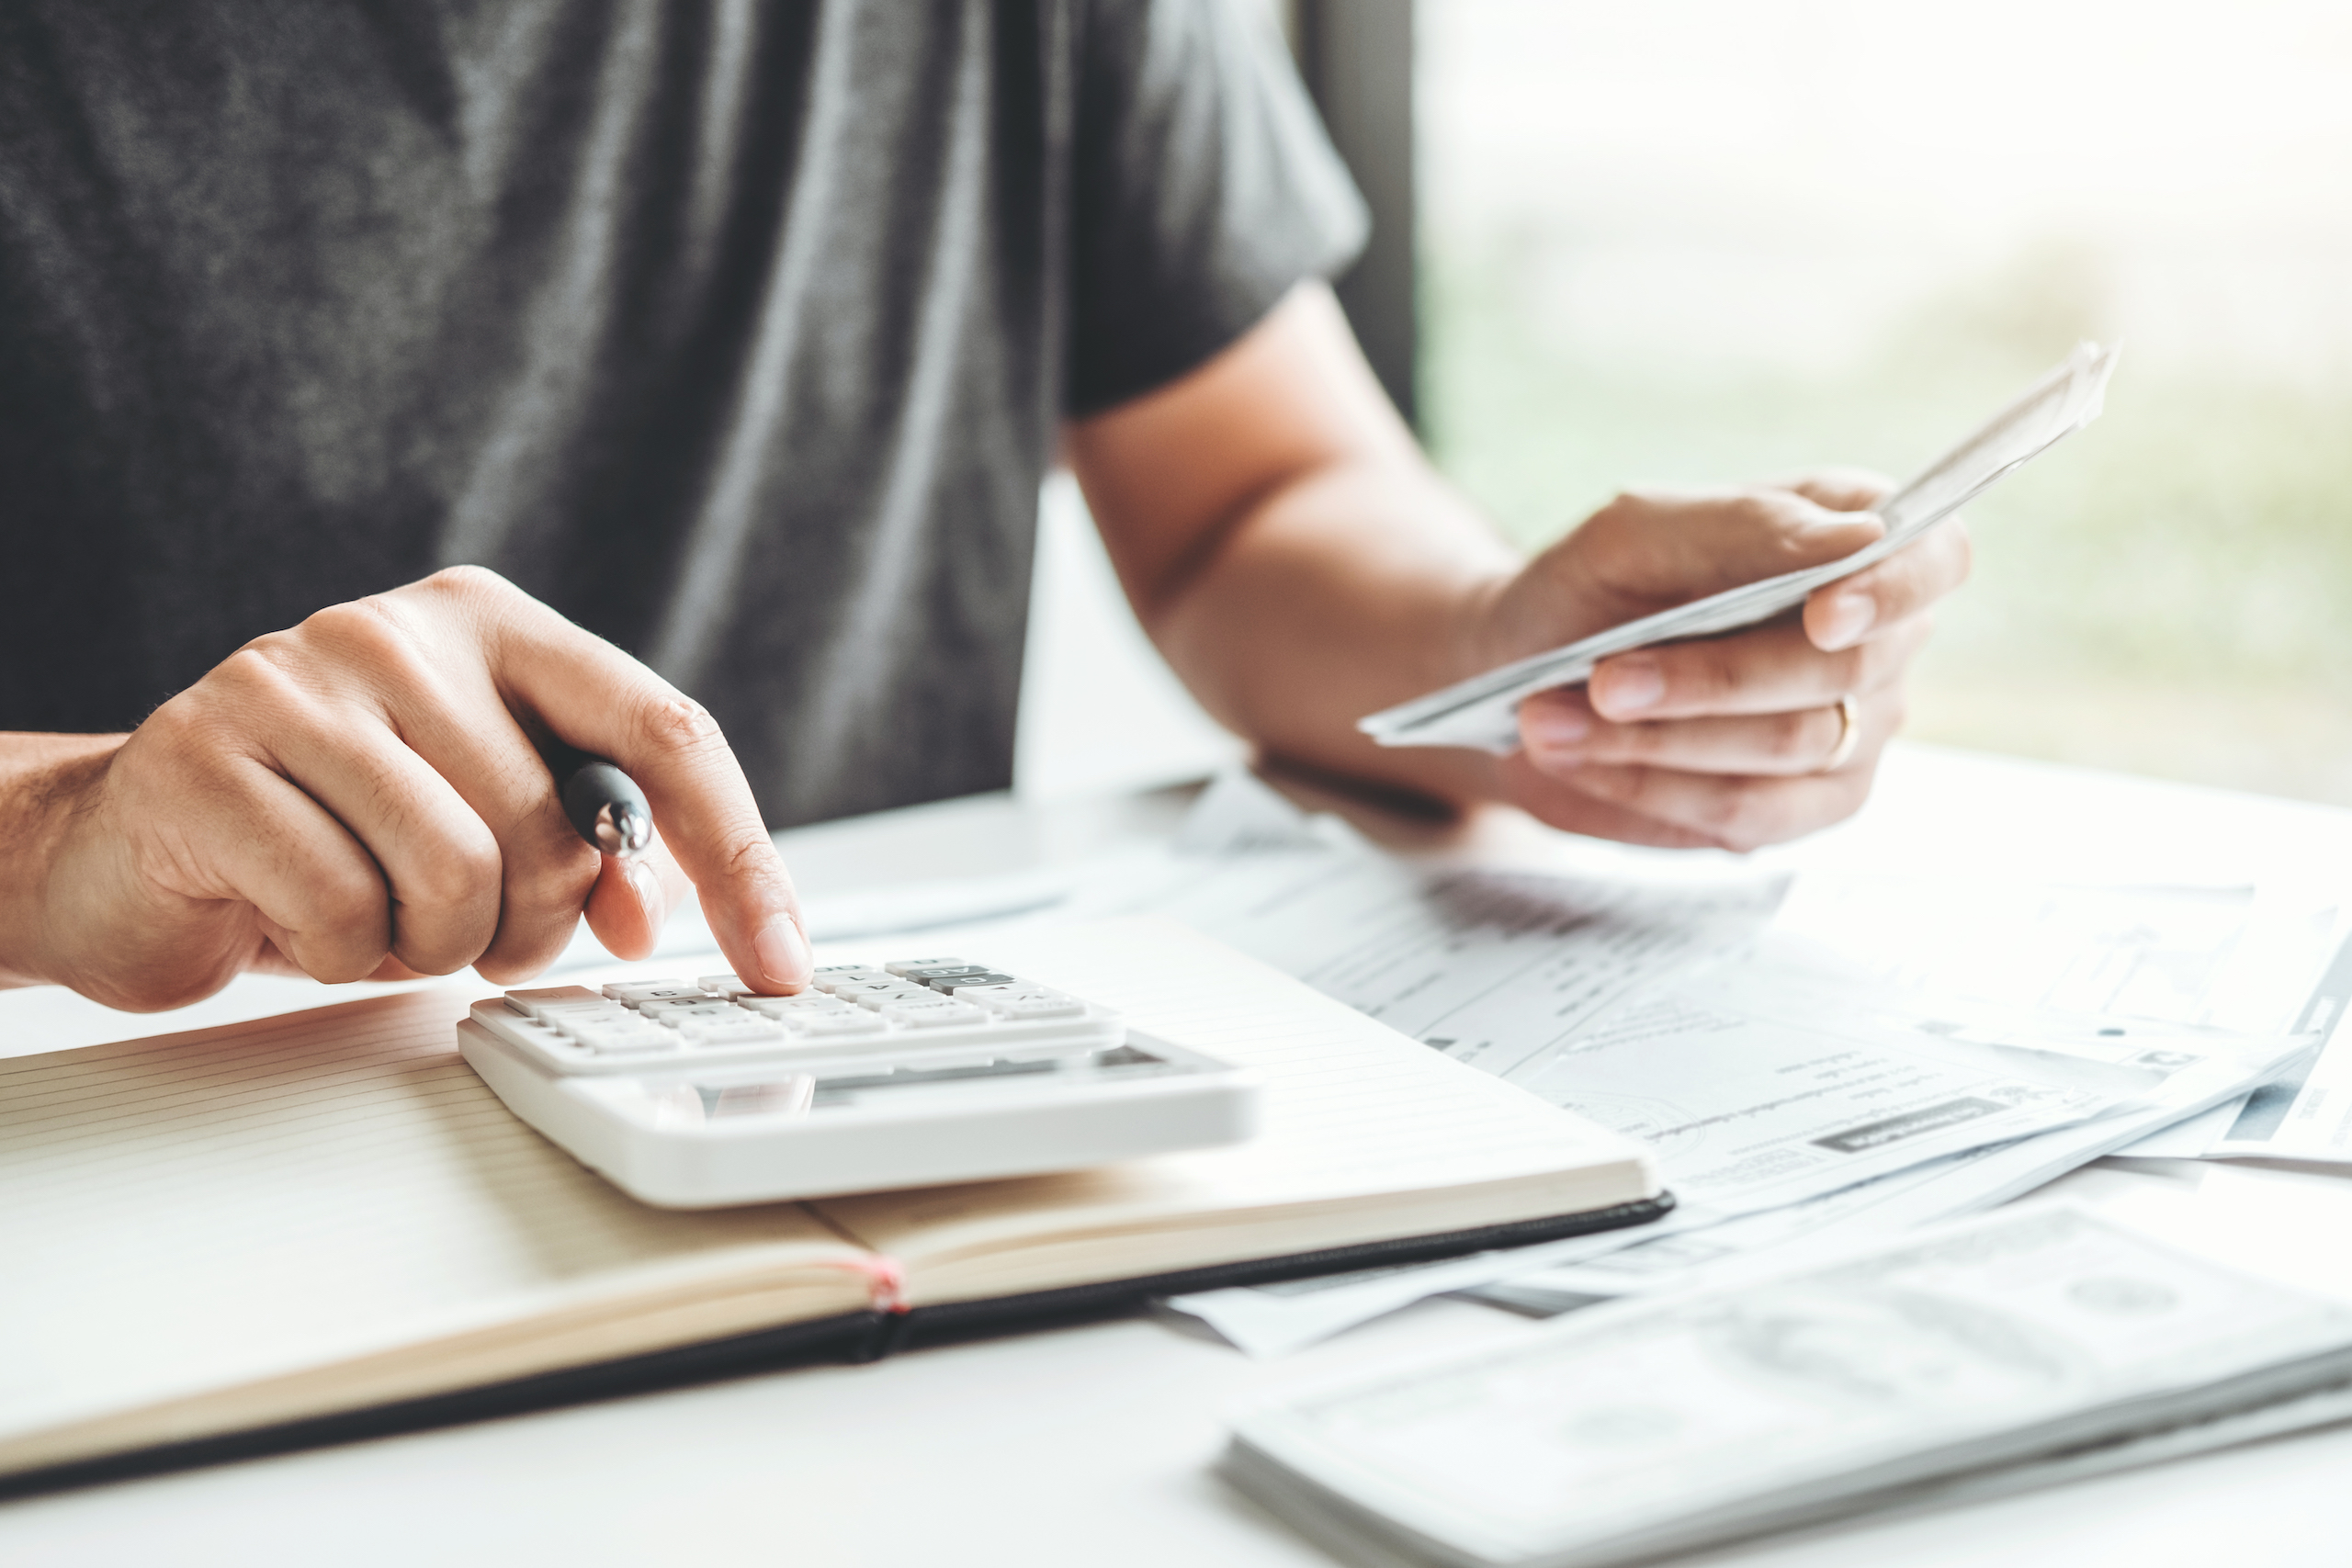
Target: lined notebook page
x,y
197,1211
1356,1116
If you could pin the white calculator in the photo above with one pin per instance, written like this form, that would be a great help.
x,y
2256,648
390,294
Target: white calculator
x,y
696,1094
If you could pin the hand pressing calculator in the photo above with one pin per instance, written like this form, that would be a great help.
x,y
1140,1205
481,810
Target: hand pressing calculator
x,y
696,1095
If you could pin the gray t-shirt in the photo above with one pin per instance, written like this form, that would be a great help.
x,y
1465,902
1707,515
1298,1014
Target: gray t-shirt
x,y
739,332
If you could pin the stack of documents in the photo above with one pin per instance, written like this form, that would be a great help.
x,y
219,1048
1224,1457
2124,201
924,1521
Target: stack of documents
x,y
2302,1115
1813,1061
2037,1346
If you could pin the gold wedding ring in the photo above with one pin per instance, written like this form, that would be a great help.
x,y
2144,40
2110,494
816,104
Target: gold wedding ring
x,y
1850,734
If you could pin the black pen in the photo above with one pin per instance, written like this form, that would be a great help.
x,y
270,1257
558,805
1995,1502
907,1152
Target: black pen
x,y
607,808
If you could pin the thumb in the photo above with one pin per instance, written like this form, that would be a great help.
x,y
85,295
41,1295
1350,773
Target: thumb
x,y
1841,490
632,898
1662,549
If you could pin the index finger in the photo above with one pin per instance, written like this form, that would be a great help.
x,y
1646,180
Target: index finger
x,y
599,699
1846,612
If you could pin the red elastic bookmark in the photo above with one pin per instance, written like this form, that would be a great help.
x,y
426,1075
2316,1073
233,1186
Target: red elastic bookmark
x,y
886,1281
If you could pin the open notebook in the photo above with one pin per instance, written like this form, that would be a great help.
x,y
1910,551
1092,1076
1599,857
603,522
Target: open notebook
x,y
274,1222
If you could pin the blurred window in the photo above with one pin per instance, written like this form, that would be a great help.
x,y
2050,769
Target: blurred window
x,y
1710,240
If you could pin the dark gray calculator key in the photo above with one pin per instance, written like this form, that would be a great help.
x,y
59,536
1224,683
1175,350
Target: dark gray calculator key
x,y
969,977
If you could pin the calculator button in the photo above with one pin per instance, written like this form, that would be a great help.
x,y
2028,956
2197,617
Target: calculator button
x,y
674,1004
826,1025
531,1004
743,1029
876,997
725,986
670,1015
794,1007
929,1010
839,980
500,1018
571,1020
622,1039
985,995
917,998
635,993
1022,1009
678,996
875,1001
931,1014
944,984
1022,1002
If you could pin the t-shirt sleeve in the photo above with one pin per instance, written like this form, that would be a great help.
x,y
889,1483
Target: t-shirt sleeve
x,y
1204,190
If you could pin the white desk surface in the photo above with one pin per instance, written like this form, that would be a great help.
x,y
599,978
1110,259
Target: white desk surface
x,y
1092,1445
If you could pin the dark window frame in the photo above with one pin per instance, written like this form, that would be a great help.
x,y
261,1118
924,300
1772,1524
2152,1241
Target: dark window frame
x,y
1357,58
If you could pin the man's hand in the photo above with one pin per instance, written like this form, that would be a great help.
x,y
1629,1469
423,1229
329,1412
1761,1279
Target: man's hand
x,y
361,798
1720,741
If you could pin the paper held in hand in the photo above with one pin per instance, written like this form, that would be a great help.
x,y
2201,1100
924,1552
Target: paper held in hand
x,y
1484,710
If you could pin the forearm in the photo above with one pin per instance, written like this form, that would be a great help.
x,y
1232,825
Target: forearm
x,y
41,778
1290,549
1351,588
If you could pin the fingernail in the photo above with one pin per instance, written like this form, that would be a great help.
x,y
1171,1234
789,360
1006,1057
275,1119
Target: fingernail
x,y
1628,684
783,953
648,888
1848,617
1550,727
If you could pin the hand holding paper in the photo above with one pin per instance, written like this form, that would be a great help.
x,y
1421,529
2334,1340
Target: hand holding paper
x,y
1665,727
1741,740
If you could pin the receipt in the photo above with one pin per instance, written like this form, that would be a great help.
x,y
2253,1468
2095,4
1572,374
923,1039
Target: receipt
x,y
2191,1068
1484,710
1751,1107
